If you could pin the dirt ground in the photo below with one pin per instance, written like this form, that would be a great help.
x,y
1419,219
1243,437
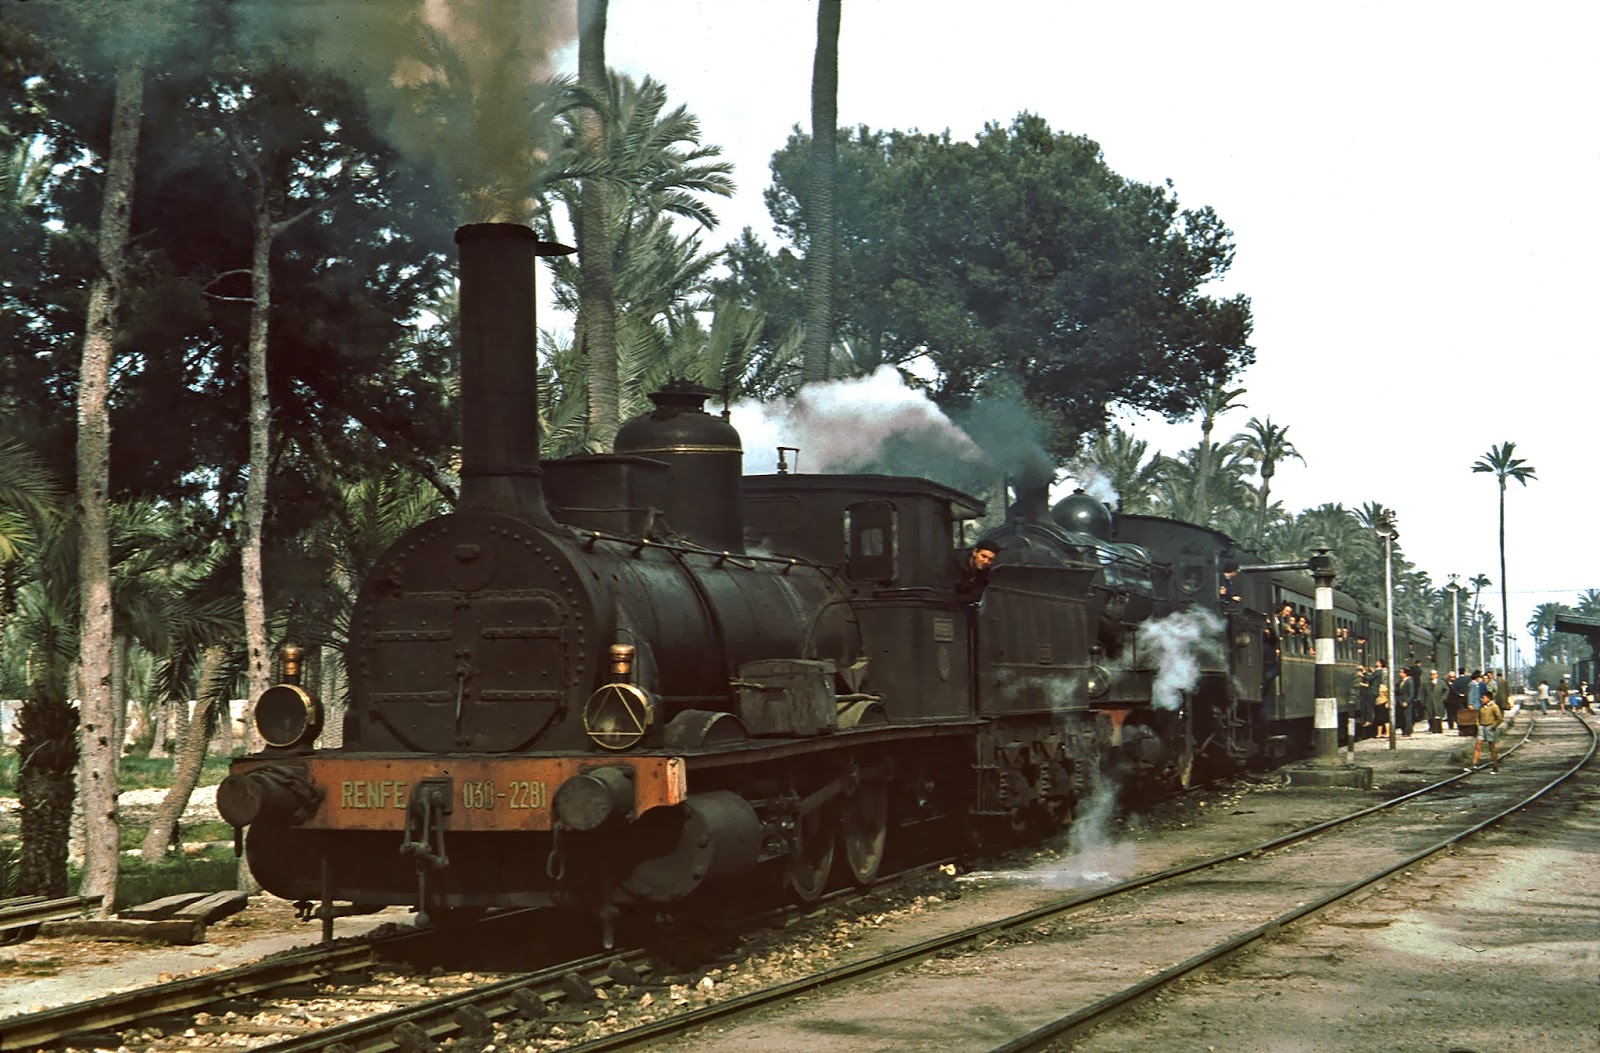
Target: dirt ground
x,y
1497,946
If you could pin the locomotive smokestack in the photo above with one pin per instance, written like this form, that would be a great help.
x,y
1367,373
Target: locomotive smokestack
x,y
499,369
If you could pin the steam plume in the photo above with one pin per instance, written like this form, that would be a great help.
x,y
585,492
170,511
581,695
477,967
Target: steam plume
x,y
1177,645
459,85
878,423
865,424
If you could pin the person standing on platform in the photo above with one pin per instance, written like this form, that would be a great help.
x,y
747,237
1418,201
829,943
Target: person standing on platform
x,y
1405,697
1437,692
1458,696
1380,705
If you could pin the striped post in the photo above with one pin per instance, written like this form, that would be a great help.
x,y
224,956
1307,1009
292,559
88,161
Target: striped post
x,y
1326,718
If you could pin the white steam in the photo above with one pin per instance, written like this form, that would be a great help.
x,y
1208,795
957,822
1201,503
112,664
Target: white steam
x,y
1178,646
1098,486
873,423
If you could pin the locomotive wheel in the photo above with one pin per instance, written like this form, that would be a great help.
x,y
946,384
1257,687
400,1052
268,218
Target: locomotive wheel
x,y
806,871
863,831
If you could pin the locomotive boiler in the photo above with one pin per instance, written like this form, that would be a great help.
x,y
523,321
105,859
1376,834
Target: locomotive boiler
x,y
632,678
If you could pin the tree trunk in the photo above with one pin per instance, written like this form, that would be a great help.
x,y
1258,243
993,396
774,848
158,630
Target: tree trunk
x,y
1266,500
255,493
190,761
821,222
97,723
47,753
1505,613
163,728
1202,475
222,736
597,306
331,685
119,696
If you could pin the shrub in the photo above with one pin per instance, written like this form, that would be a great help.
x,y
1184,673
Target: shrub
x,y
138,882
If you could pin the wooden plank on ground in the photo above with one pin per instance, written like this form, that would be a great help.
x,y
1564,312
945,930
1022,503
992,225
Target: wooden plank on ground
x,y
157,909
185,931
20,901
215,907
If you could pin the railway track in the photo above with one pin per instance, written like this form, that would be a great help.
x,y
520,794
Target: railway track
x,y
352,995
1124,929
98,1019
562,1000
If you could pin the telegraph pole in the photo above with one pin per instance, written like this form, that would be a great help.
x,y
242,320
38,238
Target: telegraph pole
x,y
1388,534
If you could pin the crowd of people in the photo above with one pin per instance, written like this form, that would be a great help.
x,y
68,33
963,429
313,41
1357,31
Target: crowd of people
x,y
1440,702
1565,697
1421,698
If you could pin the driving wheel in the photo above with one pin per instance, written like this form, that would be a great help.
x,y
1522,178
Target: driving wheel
x,y
863,831
807,867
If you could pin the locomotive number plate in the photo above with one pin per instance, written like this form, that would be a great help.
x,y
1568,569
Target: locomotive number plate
x,y
486,793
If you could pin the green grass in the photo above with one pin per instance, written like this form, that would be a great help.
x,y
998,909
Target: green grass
x,y
139,882
132,834
138,772
212,870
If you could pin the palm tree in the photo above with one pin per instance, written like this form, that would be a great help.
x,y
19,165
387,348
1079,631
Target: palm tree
x,y
1264,444
1500,463
1215,400
821,223
1293,540
1478,583
26,165
592,223
27,497
653,168
1543,625
1118,459
1193,485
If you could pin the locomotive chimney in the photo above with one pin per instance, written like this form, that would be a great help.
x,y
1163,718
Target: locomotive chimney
x,y
499,369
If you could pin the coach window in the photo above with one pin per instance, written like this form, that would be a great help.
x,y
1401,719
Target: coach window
x,y
871,527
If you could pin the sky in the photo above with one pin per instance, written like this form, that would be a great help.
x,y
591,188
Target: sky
x,y
1410,187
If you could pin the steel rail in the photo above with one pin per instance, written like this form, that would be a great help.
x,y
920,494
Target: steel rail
x,y
899,959
465,1011
1099,1012
453,1014
32,1030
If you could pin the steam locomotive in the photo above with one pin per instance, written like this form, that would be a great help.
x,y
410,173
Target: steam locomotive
x,y
631,679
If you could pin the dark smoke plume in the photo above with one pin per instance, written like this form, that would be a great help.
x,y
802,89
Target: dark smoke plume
x,y
460,86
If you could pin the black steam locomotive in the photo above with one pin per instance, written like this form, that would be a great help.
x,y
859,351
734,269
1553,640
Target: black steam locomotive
x,y
635,677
